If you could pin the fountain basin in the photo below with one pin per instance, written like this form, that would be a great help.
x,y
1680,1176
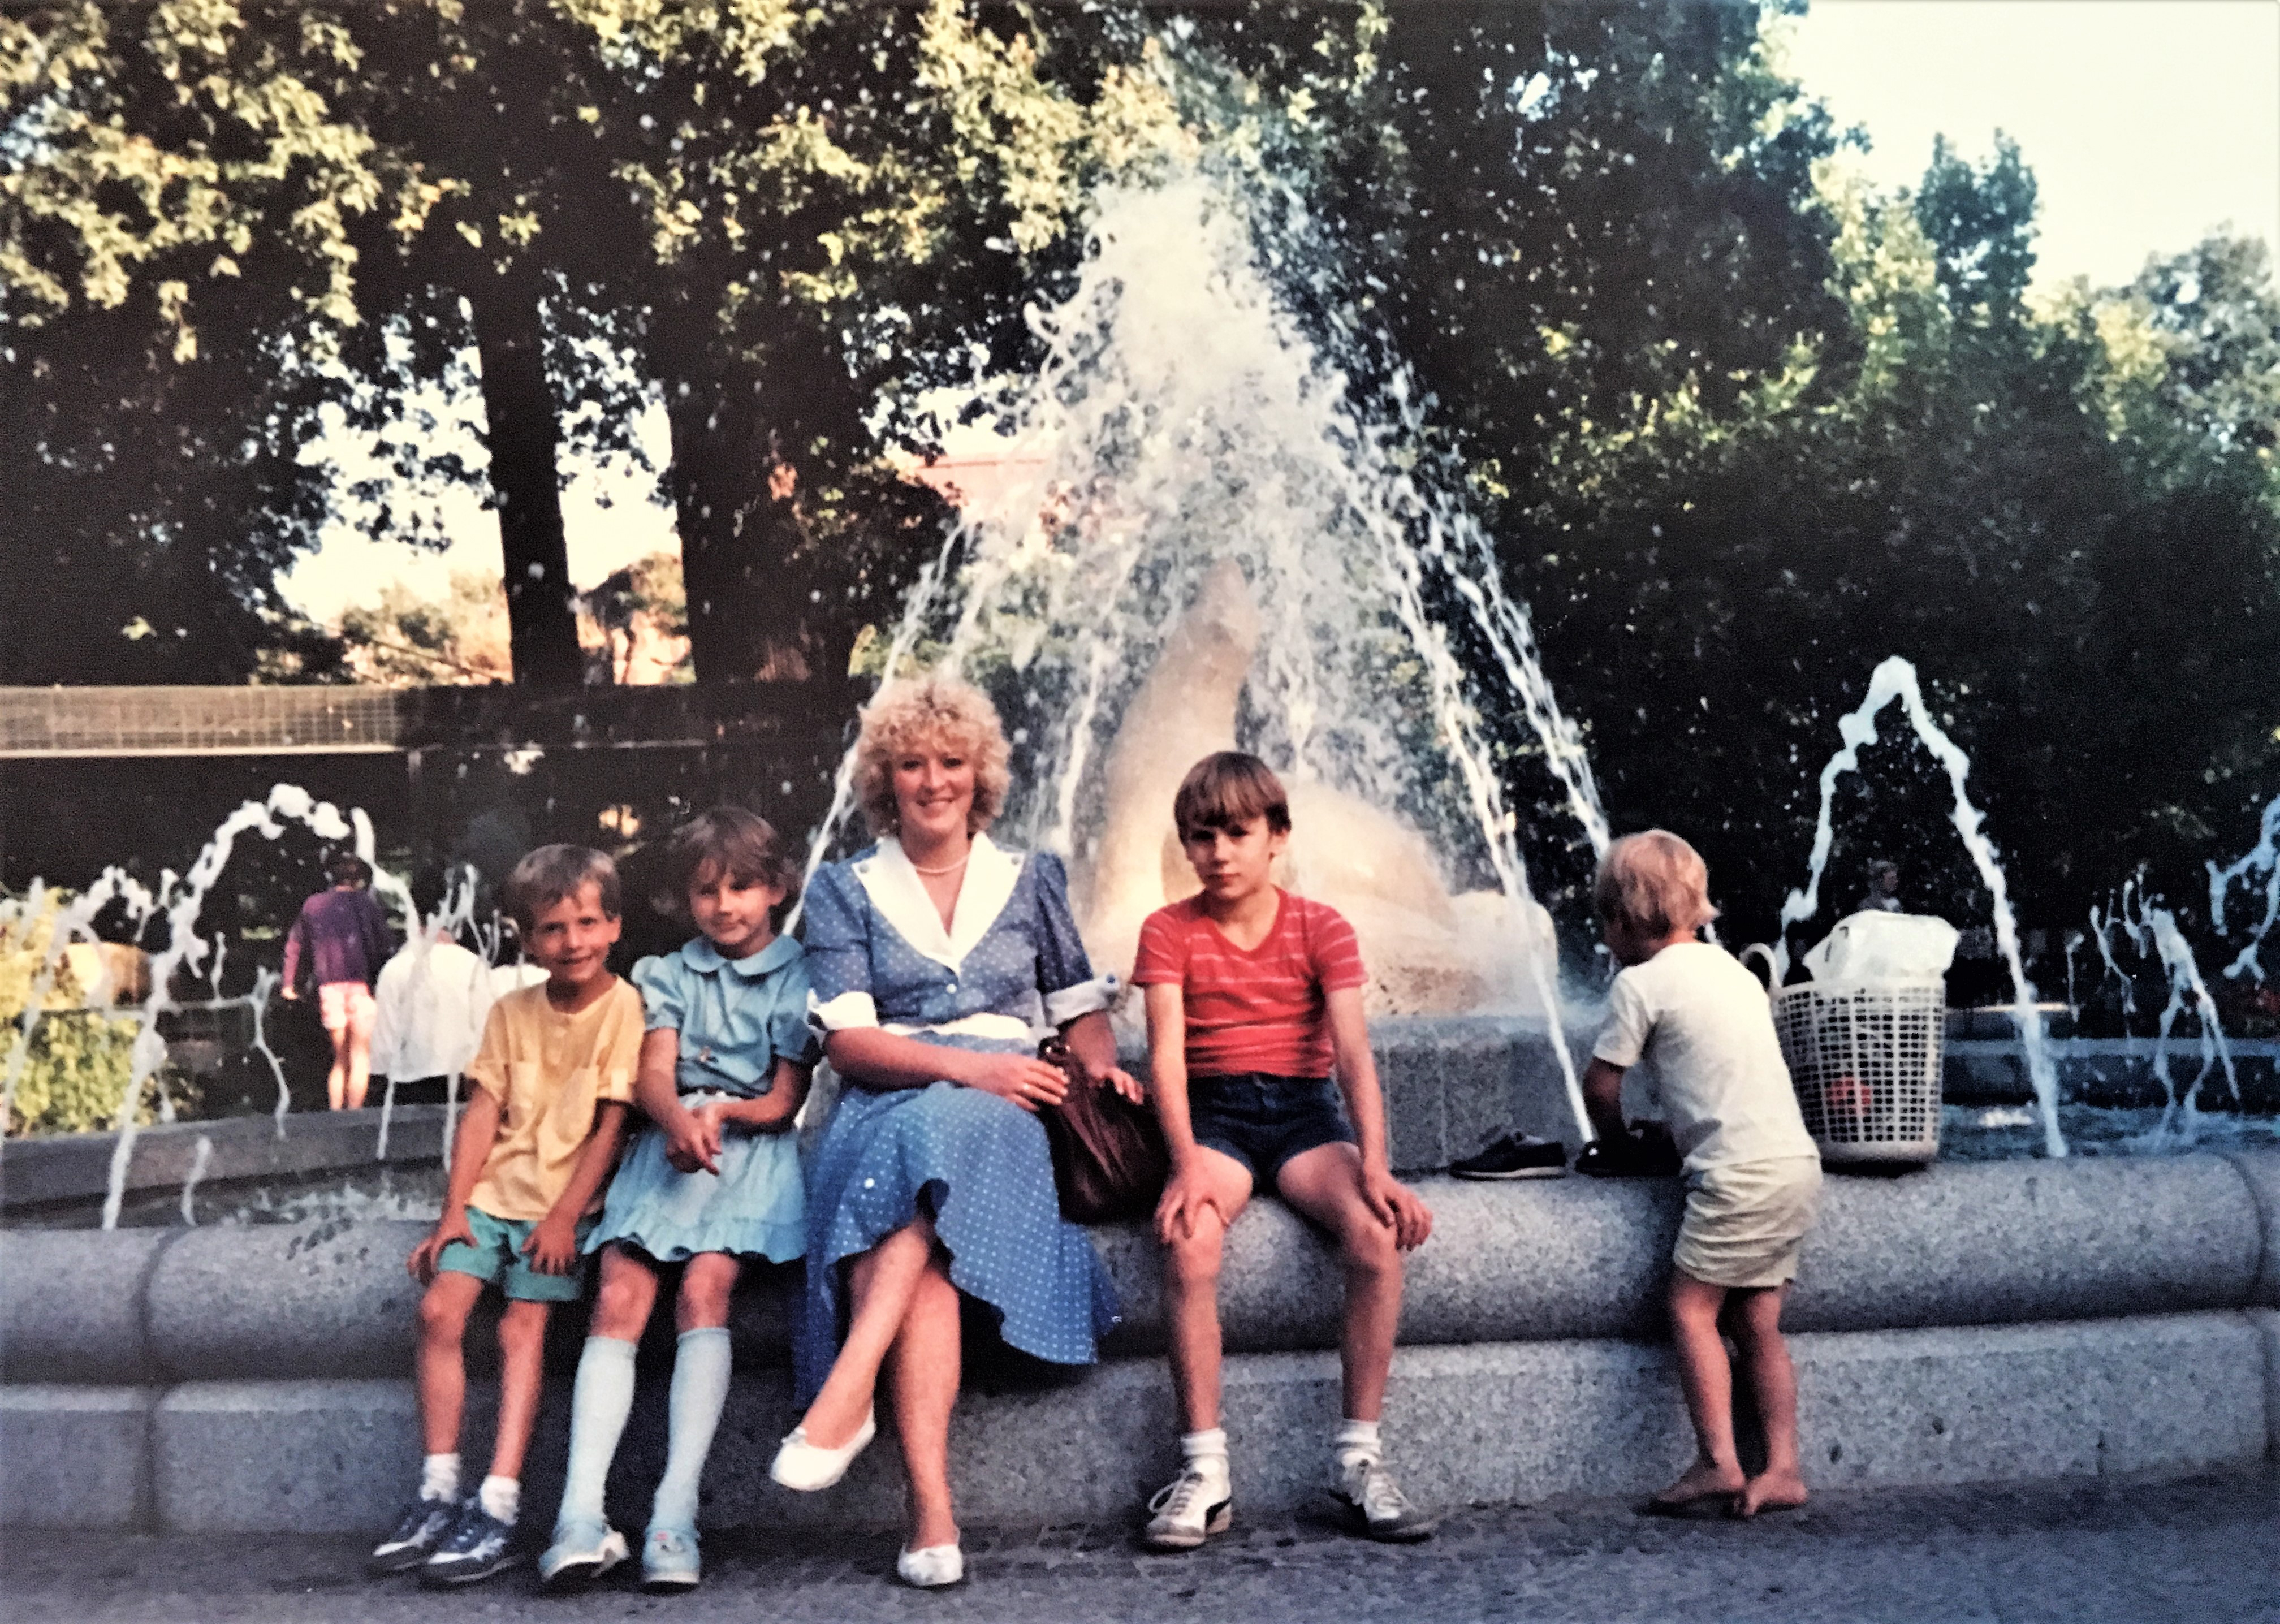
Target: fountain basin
x,y
1987,1321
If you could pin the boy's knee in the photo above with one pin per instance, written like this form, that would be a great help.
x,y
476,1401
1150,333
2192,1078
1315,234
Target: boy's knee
x,y
522,1327
1194,1259
1369,1247
442,1311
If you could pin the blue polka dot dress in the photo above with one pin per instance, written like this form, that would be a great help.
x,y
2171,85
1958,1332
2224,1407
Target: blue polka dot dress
x,y
1010,965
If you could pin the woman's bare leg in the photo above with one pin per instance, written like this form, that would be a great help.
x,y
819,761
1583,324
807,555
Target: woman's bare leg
x,y
1773,1379
881,1282
1707,1377
923,1373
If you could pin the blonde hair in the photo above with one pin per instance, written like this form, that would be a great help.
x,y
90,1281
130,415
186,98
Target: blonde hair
x,y
945,713
546,876
1653,882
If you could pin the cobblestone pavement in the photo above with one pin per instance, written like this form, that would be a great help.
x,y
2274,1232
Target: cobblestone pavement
x,y
2196,1551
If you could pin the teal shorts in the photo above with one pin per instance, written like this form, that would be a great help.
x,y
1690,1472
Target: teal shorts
x,y
498,1255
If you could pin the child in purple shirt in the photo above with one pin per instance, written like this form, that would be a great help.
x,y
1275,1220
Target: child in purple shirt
x,y
345,935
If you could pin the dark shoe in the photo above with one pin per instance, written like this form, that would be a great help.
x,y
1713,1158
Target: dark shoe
x,y
1515,1156
1647,1152
1367,1490
478,1546
418,1531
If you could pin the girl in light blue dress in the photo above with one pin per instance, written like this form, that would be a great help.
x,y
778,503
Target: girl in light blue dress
x,y
713,1180
937,959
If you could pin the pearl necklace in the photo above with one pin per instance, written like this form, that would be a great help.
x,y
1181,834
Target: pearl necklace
x,y
947,868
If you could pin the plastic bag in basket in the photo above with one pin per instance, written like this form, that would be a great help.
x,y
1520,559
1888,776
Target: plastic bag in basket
x,y
1870,947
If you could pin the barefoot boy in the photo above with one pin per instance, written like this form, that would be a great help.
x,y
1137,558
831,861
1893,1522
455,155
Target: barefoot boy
x,y
1252,993
1753,1175
538,1143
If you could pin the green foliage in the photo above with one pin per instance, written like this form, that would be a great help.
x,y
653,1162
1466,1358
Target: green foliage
x,y
405,639
78,1063
1739,424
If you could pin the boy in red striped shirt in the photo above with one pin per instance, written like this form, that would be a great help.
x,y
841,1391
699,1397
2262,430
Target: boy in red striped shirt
x,y
1253,996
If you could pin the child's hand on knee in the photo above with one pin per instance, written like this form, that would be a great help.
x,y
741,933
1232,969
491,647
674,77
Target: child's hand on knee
x,y
1186,1200
552,1247
425,1257
1399,1207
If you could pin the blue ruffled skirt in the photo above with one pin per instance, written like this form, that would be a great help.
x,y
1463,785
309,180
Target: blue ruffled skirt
x,y
986,1176
754,1206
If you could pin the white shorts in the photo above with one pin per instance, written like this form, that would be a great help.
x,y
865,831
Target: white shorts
x,y
1746,1223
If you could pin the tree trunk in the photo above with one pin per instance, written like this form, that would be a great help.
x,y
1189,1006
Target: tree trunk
x,y
523,437
733,506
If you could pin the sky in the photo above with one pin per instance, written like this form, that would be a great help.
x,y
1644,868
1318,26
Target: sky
x,y
2145,122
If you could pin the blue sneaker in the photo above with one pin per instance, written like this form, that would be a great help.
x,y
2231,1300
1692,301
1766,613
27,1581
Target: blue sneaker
x,y
478,1546
582,1550
418,1531
669,1559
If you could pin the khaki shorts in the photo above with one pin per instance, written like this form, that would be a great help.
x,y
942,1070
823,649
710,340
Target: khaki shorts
x,y
1745,1224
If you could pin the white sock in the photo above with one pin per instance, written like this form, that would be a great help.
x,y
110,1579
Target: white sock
x,y
439,1477
599,1403
501,1496
1205,1453
700,1391
1355,1443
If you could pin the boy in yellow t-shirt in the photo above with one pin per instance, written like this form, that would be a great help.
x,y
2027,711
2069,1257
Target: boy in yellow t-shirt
x,y
533,1152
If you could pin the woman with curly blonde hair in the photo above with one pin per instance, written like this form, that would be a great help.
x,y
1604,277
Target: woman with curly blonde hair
x,y
932,957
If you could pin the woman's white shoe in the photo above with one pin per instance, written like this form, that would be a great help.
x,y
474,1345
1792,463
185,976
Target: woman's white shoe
x,y
810,1466
931,1568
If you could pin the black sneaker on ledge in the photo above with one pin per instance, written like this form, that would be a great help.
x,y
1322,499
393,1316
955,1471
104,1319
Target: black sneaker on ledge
x,y
1515,1156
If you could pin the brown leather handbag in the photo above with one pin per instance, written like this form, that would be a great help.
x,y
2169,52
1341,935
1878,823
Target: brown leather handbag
x,y
1109,1157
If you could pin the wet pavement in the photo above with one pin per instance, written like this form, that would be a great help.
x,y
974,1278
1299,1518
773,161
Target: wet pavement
x,y
2203,1551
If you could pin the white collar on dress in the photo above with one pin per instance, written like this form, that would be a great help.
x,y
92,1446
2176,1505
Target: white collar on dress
x,y
901,895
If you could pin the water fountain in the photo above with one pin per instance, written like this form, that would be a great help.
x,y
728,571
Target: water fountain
x,y
2264,855
1212,515
1210,541
1895,681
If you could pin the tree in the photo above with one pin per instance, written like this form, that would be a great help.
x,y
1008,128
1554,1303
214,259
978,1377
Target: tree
x,y
405,640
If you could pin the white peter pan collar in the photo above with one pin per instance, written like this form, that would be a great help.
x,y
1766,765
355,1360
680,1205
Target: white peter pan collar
x,y
895,889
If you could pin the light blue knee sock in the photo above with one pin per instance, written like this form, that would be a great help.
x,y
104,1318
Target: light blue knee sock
x,y
700,1389
599,1405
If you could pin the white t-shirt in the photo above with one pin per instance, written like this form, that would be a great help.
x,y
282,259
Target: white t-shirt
x,y
1703,1022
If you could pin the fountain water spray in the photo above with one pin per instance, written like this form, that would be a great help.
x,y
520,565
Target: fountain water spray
x,y
180,899
2263,856
2152,930
204,1154
1896,679
1180,423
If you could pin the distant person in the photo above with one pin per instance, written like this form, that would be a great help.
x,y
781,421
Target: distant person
x,y
1883,888
539,1137
344,935
433,999
1752,1175
713,1180
1254,999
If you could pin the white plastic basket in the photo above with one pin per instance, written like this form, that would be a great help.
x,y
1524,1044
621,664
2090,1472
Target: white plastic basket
x,y
1865,1061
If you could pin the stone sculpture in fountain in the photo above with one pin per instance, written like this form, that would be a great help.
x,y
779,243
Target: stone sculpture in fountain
x,y
1428,952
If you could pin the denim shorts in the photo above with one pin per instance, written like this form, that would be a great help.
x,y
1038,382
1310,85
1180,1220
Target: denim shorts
x,y
496,1255
1263,1120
